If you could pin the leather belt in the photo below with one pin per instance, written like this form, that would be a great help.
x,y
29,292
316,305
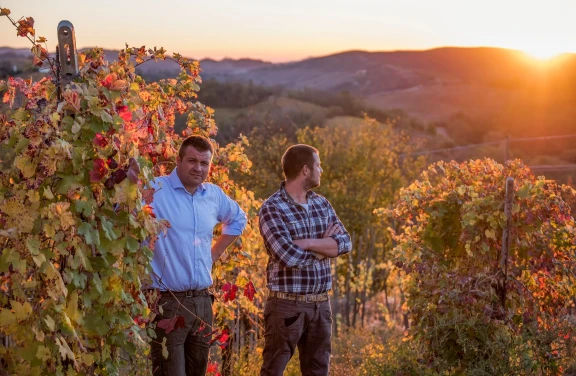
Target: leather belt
x,y
187,293
308,298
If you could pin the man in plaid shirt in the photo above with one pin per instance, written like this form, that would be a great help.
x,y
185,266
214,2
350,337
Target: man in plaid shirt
x,y
301,232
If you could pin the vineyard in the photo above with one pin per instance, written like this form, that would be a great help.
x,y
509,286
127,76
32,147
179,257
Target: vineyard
x,y
457,268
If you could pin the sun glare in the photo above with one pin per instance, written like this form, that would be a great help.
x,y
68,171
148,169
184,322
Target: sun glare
x,y
543,52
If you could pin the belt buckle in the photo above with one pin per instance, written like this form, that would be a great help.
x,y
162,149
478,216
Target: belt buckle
x,y
189,293
306,298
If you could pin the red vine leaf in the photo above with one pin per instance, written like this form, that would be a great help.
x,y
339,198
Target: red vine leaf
x,y
172,324
147,195
112,164
229,291
99,170
100,140
37,62
200,328
108,80
133,170
249,291
149,210
212,368
139,320
25,27
224,339
124,113
119,176
40,52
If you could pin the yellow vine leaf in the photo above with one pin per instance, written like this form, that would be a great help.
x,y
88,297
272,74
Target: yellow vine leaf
x,y
61,212
25,165
490,234
50,323
43,353
7,318
72,307
21,311
39,259
39,334
18,215
65,351
33,196
48,193
59,288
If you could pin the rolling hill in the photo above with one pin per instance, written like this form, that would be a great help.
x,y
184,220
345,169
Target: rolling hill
x,y
457,89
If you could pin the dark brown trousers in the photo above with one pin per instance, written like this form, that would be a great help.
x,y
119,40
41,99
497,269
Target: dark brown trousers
x,y
187,347
289,324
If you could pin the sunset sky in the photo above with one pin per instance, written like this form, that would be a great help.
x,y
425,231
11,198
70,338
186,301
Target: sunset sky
x,y
292,30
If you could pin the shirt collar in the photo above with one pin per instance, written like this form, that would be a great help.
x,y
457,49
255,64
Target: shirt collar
x,y
309,195
176,183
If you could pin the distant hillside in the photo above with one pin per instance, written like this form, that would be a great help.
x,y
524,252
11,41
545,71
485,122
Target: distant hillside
x,y
223,69
469,92
374,72
493,88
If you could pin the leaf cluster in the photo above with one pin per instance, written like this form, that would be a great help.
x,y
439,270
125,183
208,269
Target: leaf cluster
x,y
76,231
468,312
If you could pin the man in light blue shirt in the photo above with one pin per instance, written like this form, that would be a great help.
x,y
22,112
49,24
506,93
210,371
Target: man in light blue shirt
x,y
183,258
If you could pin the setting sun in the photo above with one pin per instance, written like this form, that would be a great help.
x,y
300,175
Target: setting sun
x,y
543,51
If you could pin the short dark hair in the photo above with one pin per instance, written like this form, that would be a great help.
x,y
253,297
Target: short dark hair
x,y
295,158
197,142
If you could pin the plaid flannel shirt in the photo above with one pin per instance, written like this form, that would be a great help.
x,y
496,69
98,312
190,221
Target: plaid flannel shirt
x,y
290,268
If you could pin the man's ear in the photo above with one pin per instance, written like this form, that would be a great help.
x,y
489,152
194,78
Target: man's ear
x,y
178,160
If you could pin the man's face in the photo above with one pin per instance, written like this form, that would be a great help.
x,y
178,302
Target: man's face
x,y
313,178
193,168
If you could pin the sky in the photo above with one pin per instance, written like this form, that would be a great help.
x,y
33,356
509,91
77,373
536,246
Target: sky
x,y
282,31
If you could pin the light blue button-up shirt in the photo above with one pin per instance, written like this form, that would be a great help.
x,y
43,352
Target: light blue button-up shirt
x,y
182,258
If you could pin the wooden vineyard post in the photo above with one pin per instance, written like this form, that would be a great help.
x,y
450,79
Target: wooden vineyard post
x,y
506,237
66,55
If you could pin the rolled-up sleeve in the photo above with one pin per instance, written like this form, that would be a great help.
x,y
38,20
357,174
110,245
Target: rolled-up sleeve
x,y
343,239
231,216
279,242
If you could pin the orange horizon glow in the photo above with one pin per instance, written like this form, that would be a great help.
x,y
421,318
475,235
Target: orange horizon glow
x,y
543,55
291,31
543,52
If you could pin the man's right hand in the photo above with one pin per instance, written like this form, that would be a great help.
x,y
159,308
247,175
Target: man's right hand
x,y
332,229
319,245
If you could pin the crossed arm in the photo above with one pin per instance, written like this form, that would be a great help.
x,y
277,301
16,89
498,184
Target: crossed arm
x,y
302,252
325,246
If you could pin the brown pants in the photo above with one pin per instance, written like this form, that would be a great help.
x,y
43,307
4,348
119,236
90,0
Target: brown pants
x,y
187,347
289,324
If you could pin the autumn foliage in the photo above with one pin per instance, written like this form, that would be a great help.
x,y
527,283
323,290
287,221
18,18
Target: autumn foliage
x,y
76,231
468,314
